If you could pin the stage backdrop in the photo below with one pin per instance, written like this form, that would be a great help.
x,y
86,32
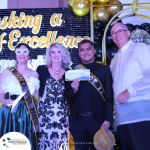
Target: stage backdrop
x,y
41,27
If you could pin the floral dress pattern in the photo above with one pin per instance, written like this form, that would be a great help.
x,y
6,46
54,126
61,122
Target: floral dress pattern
x,y
53,117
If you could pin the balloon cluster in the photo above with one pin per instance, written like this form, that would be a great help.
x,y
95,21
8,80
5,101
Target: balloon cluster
x,y
111,48
82,7
104,13
144,26
140,33
101,16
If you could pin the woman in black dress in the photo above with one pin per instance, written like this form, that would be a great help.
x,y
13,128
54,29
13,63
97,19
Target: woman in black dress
x,y
52,107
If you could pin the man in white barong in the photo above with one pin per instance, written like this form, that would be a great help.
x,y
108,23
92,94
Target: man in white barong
x,y
131,84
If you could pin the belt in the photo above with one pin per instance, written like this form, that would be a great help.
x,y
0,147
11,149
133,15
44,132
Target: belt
x,y
13,97
86,113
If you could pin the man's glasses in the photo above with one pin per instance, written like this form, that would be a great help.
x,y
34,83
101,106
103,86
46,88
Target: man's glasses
x,y
119,32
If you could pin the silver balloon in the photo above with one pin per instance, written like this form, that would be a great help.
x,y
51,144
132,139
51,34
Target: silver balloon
x,y
140,36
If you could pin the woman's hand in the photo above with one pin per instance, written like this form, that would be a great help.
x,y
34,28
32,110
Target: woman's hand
x,y
8,102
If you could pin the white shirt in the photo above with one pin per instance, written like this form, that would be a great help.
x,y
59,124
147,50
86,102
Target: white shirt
x,y
131,70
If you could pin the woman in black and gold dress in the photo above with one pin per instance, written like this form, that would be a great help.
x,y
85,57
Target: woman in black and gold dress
x,y
52,107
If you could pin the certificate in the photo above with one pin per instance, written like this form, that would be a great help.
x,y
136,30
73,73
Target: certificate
x,y
82,75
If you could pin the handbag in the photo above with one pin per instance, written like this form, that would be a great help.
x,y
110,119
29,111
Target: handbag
x,y
104,140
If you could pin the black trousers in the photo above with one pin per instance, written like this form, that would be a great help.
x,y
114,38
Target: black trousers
x,y
135,136
83,131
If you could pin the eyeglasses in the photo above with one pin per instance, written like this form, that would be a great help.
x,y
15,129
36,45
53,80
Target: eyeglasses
x,y
119,32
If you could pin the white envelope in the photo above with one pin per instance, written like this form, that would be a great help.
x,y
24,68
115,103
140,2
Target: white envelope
x,y
82,75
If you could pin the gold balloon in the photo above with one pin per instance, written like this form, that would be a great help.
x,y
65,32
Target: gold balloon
x,y
114,9
70,2
103,1
81,7
93,0
101,13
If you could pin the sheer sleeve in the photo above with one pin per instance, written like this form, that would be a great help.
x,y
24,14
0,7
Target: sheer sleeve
x,y
142,86
5,82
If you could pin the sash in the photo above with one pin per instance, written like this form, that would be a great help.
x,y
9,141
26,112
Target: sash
x,y
28,99
94,81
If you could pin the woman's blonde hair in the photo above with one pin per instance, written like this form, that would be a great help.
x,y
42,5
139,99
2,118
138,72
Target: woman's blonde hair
x,y
64,52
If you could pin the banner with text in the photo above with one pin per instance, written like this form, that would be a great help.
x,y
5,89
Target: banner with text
x,y
41,27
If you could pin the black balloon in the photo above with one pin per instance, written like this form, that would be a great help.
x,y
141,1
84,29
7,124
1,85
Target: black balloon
x,y
98,54
136,27
146,27
98,25
108,29
109,41
98,35
110,26
119,21
130,27
110,53
97,43
144,24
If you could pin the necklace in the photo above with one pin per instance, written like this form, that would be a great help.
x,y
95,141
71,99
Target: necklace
x,y
56,71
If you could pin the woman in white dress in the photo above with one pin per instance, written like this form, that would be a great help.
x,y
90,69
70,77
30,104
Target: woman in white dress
x,y
17,80
52,107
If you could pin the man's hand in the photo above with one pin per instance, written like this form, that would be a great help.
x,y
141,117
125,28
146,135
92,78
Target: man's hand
x,y
123,97
106,125
75,85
